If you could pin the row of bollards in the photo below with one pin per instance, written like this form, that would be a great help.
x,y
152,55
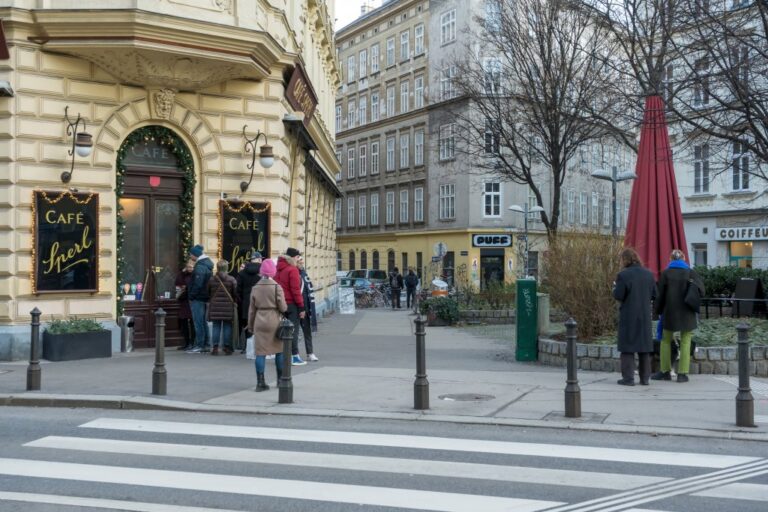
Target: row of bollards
x,y
745,405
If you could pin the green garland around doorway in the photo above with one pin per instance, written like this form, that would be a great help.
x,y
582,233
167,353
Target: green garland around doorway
x,y
165,137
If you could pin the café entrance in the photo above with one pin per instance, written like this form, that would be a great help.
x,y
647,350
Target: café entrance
x,y
152,248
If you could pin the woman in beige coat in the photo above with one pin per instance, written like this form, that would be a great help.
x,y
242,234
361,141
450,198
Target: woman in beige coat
x,y
266,308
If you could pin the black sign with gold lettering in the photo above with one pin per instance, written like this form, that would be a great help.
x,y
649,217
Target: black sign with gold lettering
x,y
66,244
243,229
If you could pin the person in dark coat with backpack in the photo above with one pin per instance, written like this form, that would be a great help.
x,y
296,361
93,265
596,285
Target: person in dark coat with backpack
x,y
395,284
246,278
186,324
411,282
678,317
635,289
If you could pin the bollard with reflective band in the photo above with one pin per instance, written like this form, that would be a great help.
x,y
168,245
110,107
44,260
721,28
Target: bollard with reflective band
x,y
34,372
159,375
572,389
285,384
745,403
421,384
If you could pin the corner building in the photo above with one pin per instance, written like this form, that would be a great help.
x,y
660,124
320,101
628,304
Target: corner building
x,y
170,91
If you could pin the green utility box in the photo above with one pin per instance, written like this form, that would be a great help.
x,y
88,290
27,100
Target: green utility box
x,y
527,321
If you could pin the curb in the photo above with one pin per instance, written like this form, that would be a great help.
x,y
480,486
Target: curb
x,y
114,402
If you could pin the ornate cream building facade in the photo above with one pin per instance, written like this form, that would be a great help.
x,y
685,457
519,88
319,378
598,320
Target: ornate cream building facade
x,y
169,90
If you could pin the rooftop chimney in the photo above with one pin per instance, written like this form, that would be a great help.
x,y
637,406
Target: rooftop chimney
x,y
366,7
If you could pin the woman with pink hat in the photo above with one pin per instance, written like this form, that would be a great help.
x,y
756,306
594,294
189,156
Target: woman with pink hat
x,y
267,305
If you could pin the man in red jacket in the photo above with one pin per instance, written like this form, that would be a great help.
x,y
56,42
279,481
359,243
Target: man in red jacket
x,y
289,278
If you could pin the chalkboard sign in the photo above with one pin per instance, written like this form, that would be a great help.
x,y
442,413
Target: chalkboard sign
x,y
66,242
243,229
748,288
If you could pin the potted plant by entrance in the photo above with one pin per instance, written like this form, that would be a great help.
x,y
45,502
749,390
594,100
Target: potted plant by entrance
x,y
76,338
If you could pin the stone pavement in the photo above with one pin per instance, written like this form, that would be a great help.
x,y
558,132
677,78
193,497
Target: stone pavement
x,y
367,370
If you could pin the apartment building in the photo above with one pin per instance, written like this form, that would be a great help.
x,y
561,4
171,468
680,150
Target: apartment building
x,y
412,198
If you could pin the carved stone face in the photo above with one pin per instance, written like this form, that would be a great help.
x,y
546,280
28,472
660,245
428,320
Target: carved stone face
x,y
164,103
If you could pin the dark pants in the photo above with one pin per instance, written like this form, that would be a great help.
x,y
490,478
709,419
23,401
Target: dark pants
x,y
306,329
187,331
395,298
292,314
628,365
410,296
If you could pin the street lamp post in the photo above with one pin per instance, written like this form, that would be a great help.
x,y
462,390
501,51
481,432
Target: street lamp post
x,y
525,211
614,177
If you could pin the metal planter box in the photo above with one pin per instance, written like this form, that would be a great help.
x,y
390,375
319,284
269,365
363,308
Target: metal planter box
x,y
81,345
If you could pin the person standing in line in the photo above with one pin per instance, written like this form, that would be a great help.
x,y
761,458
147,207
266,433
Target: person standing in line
x,y
678,317
309,322
266,305
198,297
182,282
289,278
411,282
222,289
635,289
246,278
396,285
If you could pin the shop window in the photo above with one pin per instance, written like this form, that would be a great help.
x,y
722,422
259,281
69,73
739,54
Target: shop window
x,y
533,263
404,257
699,255
740,254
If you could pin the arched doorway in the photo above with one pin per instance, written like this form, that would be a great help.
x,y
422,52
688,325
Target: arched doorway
x,y
155,191
375,258
363,259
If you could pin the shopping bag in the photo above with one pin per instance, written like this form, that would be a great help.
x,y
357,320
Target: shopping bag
x,y
250,348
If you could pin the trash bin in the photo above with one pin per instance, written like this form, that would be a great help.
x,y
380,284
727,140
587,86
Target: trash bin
x,y
527,321
126,333
439,288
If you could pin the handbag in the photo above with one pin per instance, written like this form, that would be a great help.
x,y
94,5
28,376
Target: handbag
x,y
285,328
692,297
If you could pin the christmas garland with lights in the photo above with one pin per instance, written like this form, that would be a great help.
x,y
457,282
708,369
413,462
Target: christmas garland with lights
x,y
164,137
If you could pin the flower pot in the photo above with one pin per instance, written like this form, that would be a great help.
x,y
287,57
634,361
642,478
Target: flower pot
x,y
435,321
81,345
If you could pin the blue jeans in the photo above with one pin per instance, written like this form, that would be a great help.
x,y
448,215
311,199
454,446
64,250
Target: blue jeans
x,y
261,362
222,329
201,326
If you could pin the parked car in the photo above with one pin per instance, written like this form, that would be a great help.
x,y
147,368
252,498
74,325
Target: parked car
x,y
375,276
357,283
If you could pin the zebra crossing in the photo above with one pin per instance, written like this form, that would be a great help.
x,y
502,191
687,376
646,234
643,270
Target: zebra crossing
x,y
358,469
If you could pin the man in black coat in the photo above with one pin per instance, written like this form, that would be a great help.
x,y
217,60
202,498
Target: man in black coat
x,y
246,278
395,284
635,289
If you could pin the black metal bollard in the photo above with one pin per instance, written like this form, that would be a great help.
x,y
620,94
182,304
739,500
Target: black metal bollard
x,y
159,375
285,385
34,372
421,384
745,403
572,389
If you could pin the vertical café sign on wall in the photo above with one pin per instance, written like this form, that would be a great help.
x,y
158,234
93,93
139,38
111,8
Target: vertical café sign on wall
x,y
300,94
66,243
243,229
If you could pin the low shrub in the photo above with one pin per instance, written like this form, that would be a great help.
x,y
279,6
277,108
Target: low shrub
x,y
73,325
720,281
444,308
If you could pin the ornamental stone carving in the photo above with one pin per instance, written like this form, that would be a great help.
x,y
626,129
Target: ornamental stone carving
x,y
162,101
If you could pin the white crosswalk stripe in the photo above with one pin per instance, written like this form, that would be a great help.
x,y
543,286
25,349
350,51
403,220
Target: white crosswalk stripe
x,y
176,466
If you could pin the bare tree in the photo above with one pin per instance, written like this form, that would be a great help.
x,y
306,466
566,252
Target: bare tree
x,y
533,80
722,56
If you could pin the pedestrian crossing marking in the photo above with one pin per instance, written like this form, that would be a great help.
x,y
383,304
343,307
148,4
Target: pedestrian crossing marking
x,y
755,492
664,458
583,479
100,503
278,488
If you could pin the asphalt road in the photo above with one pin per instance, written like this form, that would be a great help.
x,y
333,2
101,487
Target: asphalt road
x,y
74,459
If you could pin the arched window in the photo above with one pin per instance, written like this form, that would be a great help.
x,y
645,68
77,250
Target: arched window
x,y
363,259
351,260
339,262
390,260
375,264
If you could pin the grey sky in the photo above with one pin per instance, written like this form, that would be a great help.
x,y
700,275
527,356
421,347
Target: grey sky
x,y
348,11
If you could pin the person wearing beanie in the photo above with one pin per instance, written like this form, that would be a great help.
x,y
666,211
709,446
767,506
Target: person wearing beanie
x,y
289,278
246,278
309,322
197,293
265,307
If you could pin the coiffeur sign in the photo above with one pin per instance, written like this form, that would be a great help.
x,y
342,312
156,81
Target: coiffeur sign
x,y
745,233
243,229
66,244
300,94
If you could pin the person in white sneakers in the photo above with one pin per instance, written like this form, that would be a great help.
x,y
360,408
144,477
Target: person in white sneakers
x,y
309,322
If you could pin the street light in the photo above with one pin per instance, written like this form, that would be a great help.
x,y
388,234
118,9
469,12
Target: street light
x,y
525,211
614,177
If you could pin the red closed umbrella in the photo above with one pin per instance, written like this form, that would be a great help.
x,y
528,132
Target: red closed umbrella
x,y
655,223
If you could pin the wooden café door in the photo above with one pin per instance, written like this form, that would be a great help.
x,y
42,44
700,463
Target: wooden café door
x,y
151,210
